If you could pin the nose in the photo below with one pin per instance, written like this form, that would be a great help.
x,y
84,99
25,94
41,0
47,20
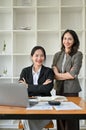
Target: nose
x,y
39,58
66,40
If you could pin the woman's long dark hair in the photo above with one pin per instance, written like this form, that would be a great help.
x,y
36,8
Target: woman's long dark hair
x,y
76,44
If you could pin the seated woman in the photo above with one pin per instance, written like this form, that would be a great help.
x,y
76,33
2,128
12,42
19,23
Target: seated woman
x,y
39,81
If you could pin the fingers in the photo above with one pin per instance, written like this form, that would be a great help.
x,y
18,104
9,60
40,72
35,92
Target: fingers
x,y
47,81
22,81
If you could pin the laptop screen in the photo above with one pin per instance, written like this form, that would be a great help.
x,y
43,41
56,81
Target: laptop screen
x,y
13,94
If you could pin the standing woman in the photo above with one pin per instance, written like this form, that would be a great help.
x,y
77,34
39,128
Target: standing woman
x,y
66,66
39,81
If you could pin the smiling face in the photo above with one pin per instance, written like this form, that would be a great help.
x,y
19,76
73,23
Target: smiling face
x,y
38,57
68,41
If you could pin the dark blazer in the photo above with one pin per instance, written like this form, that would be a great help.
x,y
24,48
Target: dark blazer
x,y
72,65
40,89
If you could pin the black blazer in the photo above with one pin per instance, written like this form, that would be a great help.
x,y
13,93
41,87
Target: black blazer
x,y
40,89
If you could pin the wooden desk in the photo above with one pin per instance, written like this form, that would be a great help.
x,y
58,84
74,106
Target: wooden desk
x,y
7,112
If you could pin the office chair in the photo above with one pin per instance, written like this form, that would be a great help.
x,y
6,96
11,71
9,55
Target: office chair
x,y
49,125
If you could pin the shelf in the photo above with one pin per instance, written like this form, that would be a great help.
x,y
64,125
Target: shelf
x,y
48,40
80,35
5,80
5,3
5,19
6,38
47,3
19,62
69,16
21,14
9,124
48,61
23,7
85,18
71,3
50,16
24,40
6,64
5,10
85,42
23,2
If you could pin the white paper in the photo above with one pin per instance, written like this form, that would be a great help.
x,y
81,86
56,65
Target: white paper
x,y
41,106
67,106
50,98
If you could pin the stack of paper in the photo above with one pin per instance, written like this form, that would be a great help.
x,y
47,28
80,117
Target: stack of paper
x,y
41,106
50,98
67,106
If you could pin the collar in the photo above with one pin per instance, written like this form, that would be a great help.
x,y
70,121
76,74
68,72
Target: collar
x,y
38,72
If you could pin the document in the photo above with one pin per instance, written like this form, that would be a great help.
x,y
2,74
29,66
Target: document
x,y
40,106
67,106
50,98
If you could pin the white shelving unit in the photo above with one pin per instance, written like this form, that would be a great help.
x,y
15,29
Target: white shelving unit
x,y
26,23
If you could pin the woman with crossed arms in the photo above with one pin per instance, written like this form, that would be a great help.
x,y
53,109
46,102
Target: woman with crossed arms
x,y
66,66
39,81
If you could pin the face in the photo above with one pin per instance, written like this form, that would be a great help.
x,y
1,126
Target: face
x,y
38,58
68,40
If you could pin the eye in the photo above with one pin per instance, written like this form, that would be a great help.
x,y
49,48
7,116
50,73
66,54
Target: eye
x,y
42,55
70,39
36,55
64,38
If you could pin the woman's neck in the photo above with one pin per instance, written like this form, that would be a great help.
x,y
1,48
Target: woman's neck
x,y
36,68
67,50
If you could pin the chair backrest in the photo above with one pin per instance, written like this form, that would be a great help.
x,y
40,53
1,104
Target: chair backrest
x,y
49,125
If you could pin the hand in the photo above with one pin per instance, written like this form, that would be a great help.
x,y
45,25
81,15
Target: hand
x,y
47,82
23,81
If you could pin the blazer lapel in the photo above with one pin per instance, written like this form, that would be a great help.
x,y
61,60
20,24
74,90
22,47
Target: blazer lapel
x,y
41,72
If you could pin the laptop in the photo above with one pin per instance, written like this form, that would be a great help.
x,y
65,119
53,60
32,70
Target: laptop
x,y
14,94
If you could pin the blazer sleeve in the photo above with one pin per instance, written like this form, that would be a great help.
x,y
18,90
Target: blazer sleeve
x,y
77,63
23,74
56,58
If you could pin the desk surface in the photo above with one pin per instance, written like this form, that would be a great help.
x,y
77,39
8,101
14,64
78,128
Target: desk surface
x,y
7,112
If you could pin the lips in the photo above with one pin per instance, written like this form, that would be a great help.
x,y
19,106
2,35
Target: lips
x,y
40,61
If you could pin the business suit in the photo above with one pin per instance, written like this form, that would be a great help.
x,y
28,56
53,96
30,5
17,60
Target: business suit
x,y
40,89
37,90
69,87
72,65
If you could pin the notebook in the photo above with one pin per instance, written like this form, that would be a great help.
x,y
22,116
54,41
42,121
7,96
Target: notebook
x,y
14,94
